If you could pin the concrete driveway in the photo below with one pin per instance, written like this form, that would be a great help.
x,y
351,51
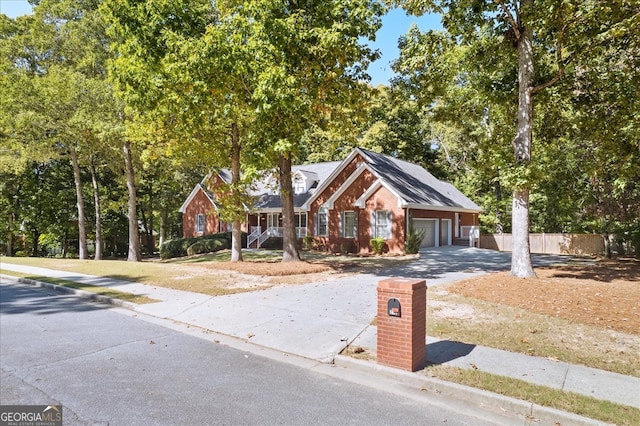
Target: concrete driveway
x,y
440,265
319,320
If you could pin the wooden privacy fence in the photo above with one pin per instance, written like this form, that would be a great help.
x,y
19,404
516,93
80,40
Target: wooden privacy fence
x,y
579,244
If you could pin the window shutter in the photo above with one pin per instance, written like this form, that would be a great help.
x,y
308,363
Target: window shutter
x,y
315,223
373,224
355,225
389,225
341,224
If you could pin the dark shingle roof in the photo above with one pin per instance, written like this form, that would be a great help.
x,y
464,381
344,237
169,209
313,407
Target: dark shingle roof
x,y
414,184
267,190
411,182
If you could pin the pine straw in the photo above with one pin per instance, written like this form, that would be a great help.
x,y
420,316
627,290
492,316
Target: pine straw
x,y
271,269
605,294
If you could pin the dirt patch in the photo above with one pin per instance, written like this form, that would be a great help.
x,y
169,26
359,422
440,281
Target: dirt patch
x,y
604,294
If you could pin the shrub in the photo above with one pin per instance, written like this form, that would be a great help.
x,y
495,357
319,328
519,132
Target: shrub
x,y
208,245
378,245
179,247
307,242
413,240
176,247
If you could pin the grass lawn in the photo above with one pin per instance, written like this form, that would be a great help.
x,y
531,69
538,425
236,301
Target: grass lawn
x,y
562,315
102,291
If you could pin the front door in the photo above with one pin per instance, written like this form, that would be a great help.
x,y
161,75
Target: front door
x,y
272,220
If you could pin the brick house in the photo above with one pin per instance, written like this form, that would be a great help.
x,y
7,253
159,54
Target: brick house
x,y
345,204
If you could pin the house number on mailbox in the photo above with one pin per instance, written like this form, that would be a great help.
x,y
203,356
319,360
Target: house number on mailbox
x,y
393,307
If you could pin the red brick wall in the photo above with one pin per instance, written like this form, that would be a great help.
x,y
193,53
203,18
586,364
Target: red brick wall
x,y
200,204
333,241
401,340
382,199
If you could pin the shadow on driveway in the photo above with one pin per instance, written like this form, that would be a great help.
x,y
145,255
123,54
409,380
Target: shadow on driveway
x,y
435,263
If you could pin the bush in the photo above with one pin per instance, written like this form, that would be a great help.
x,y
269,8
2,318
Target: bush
x,y
378,245
179,247
176,247
413,241
208,245
307,242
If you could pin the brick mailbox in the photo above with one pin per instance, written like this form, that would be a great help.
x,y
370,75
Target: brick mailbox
x,y
402,316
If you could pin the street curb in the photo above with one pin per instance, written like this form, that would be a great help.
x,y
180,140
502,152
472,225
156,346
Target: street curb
x,y
533,412
467,395
81,293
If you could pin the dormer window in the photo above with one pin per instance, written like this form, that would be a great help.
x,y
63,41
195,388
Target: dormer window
x,y
299,185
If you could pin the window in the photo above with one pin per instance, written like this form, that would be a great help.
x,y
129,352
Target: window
x,y
298,185
323,221
200,223
301,220
382,224
349,225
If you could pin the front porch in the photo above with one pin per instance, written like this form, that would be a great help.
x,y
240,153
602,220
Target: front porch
x,y
257,236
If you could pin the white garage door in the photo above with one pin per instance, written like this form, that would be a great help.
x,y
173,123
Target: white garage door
x,y
428,226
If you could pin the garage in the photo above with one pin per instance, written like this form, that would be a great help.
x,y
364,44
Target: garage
x,y
430,229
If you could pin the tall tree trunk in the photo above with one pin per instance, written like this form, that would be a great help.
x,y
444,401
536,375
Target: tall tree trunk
x,y
521,253
498,188
151,246
290,252
163,224
134,239
36,237
96,202
65,244
10,237
236,227
83,252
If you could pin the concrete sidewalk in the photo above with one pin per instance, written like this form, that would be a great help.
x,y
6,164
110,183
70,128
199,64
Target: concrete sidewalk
x,y
317,321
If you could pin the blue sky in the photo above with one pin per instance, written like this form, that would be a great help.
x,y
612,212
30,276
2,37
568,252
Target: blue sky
x,y
394,24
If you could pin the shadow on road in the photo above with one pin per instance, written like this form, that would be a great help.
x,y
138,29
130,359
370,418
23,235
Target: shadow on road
x,y
19,300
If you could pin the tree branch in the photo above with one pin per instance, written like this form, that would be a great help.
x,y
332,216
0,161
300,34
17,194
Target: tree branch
x,y
560,72
510,18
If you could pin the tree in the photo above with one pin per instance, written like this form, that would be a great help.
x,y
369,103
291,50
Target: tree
x,y
312,64
564,31
239,83
59,54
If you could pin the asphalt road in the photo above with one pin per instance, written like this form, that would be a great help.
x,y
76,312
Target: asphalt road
x,y
104,368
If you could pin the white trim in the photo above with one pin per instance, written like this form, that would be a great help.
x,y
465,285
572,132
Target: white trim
x,y
196,223
448,225
343,224
388,223
362,201
333,175
276,210
439,208
323,211
345,185
192,195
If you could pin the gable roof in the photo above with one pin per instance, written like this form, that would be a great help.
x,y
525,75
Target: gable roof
x,y
194,191
414,186
267,192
